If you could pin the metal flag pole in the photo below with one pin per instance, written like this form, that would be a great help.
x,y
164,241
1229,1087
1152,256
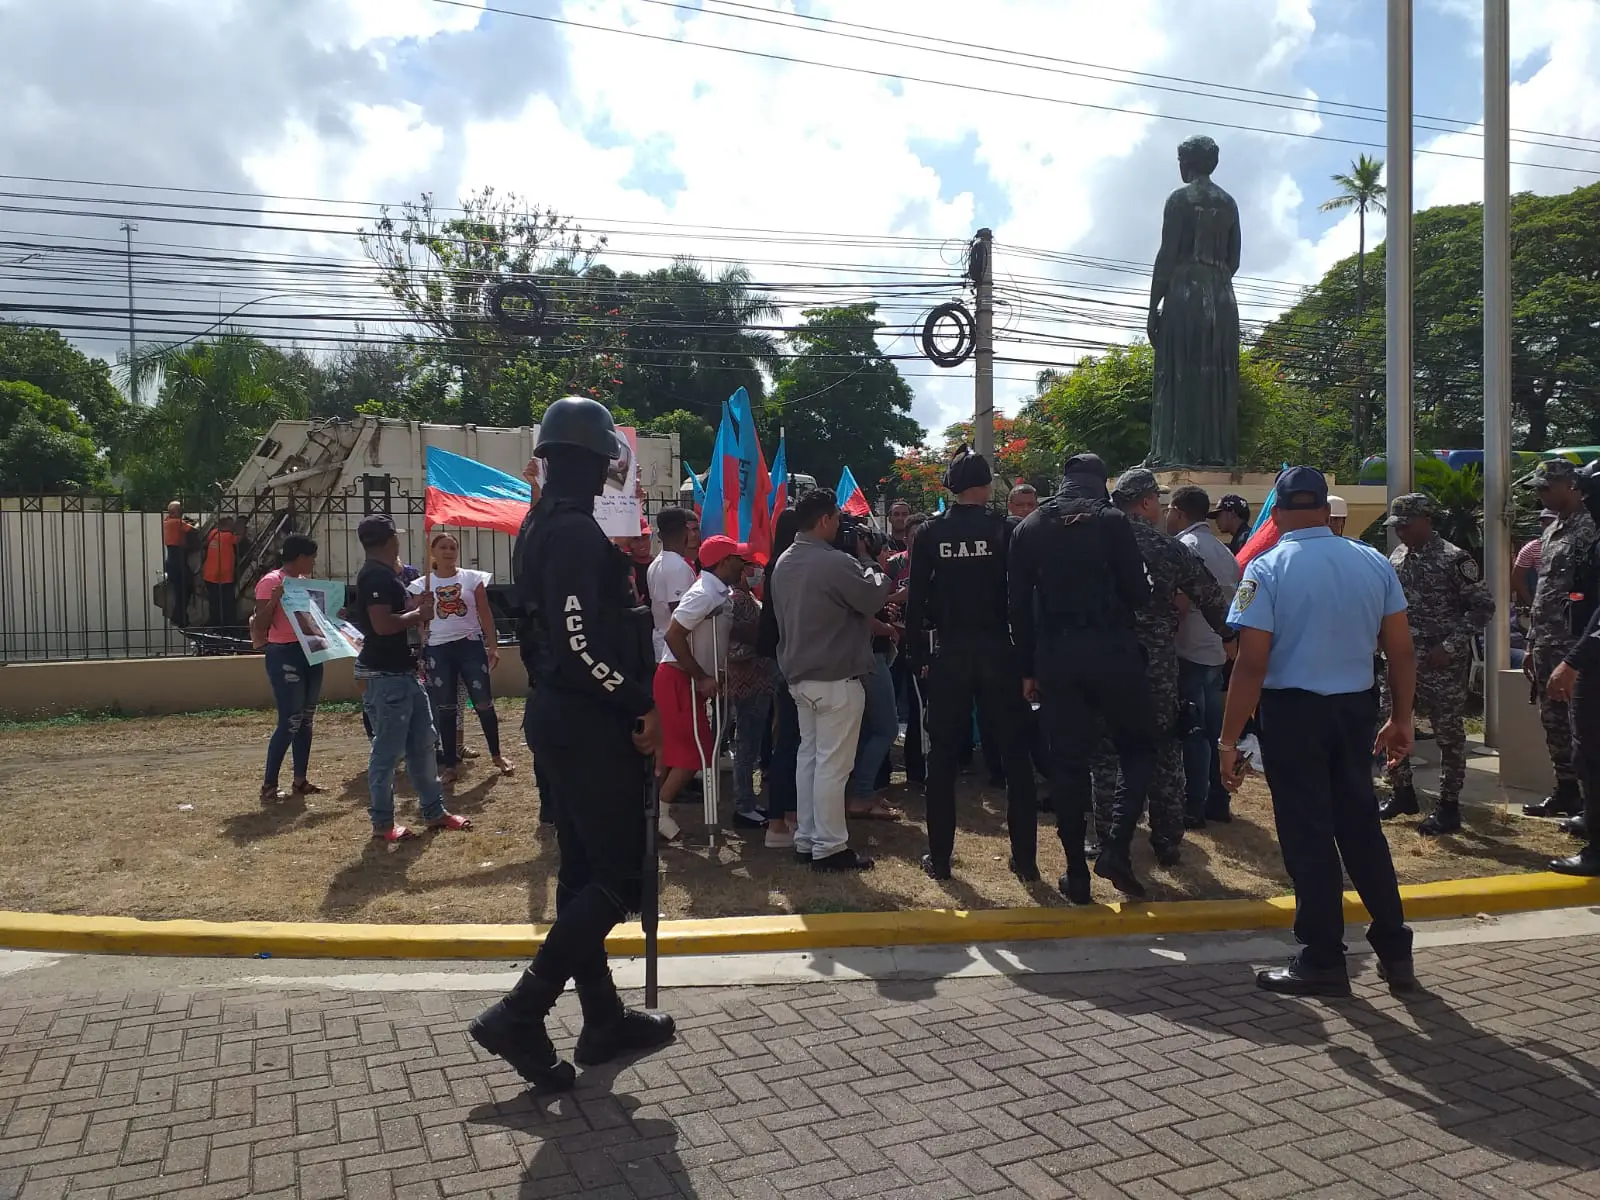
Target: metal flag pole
x,y
1496,351
1397,256
650,884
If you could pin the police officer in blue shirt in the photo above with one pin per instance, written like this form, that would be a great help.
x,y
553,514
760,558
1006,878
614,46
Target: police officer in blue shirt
x,y
1309,613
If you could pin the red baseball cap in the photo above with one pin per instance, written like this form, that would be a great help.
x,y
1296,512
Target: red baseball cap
x,y
718,547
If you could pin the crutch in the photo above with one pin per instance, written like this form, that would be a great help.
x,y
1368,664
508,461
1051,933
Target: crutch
x,y
712,774
649,885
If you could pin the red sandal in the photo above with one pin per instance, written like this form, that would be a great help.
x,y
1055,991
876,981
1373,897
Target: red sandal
x,y
396,833
450,823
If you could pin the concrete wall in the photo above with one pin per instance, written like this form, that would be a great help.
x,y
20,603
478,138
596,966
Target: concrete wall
x,y
1524,760
173,685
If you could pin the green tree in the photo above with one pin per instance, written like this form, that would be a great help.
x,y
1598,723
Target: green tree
x,y
215,400
841,401
44,445
1333,349
696,438
1103,405
56,367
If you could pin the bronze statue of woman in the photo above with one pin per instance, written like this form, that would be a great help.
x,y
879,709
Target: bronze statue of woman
x,y
1194,321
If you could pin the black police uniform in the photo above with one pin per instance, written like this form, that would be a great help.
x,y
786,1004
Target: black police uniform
x,y
1584,710
958,586
1076,579
588,653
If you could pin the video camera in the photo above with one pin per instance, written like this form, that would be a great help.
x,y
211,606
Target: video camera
x,y
856,536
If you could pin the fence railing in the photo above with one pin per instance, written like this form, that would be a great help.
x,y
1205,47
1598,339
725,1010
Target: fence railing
x,y
85,577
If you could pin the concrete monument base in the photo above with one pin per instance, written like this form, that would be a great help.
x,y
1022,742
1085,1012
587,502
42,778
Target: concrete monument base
x,y
1367,503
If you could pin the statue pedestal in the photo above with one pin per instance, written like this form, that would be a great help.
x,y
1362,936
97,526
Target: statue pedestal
x,y
1367,503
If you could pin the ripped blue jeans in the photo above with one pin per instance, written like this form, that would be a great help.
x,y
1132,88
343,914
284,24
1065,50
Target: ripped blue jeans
x,y
449,666
296,687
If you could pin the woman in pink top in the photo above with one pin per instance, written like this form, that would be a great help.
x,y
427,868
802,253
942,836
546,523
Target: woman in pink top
x,y
296,683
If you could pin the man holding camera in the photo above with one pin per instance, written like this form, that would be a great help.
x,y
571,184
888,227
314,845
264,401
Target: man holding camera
x,y
958,585
825,600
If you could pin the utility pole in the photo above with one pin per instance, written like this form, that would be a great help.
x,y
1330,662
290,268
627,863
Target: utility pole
x,y
1496,350
1397,255
133,375
980,269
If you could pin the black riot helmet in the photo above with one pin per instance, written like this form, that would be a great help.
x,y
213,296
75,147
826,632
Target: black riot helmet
x,y
578,422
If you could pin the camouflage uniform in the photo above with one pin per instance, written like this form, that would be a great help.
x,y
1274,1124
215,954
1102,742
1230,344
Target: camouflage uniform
x,y
1566,544
1173,568
1447,605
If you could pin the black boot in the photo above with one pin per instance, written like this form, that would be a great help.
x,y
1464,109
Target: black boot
x,y
936,871
1446,818
609,1029
1074,884
1300,979
1402,802
1167,855
1116,865
1585,862
1577,826
1025,871
513,1029
1565,801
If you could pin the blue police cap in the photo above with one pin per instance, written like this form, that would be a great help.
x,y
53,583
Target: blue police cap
x,y
1298,481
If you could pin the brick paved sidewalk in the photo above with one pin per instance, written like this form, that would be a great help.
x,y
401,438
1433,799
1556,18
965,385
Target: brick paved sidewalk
x,y
1172,1081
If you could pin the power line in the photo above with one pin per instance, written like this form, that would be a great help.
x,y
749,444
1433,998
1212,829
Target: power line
x,y
901,77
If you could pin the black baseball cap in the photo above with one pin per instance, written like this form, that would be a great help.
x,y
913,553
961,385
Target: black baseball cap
x,y
1297,481
375,530
1231,503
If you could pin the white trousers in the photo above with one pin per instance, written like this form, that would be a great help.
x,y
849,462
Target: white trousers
x,y
830,723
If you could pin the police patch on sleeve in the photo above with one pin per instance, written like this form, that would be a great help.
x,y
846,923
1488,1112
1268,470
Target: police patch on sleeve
x,y
1245,594
1468,568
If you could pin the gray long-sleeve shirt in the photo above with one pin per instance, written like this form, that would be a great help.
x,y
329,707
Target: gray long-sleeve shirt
x,y
824,601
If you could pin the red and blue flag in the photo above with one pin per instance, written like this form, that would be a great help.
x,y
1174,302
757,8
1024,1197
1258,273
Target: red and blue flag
x,y
466,493
738,486
851,498
779,501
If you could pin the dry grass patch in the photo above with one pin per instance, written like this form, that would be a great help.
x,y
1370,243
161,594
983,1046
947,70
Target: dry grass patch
x,y
159,817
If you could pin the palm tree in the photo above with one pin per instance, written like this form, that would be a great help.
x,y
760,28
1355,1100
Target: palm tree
x,y
1361,189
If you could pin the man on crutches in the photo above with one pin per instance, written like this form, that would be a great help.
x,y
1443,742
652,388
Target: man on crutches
x,y
686,683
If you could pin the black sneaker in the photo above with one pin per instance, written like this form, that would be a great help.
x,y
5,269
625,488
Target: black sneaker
x,y
933,870
843,860
755,819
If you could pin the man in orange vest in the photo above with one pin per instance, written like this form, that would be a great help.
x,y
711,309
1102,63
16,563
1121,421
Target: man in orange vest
x,y
221,551
175,533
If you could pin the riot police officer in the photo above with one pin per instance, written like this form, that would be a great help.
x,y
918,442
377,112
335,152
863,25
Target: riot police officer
x,y
1577,680
1076,559
593,726
958,586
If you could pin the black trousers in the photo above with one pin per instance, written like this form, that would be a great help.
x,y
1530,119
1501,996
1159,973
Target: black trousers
x,y
598,780
1584,712
177,566
915,751
1318,755
980,669
223,613
1093,680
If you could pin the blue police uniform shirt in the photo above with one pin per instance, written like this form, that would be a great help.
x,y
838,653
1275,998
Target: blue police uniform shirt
x,y
1322,598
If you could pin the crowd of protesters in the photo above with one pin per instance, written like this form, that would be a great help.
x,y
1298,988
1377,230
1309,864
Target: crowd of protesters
x,y
798,665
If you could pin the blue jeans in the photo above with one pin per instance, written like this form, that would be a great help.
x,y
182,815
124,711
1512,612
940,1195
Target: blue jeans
x,y
880,723
1201,686
752,719
296,688
402,724
451,665
779,777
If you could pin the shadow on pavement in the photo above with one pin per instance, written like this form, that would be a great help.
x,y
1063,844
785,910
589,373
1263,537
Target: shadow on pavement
x,y
591,1136
1520,1097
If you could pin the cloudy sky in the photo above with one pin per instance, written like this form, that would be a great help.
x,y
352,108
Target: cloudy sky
x,y
707,128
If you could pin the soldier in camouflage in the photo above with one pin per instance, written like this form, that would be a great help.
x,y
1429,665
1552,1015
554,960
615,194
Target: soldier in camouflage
x,y
1566,544
1447,605
1177,576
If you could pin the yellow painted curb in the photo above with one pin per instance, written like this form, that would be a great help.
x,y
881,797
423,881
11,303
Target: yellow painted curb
x,y
746,935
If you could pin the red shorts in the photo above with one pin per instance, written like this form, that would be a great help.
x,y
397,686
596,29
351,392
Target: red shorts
x,y
682,714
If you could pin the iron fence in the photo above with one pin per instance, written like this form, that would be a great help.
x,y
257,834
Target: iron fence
x,y
85,577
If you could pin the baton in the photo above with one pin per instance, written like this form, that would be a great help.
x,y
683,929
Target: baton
x,y
649,886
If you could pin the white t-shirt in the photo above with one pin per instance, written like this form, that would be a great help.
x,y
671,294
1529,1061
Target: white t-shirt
x,y
669,577
455,604
705,612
